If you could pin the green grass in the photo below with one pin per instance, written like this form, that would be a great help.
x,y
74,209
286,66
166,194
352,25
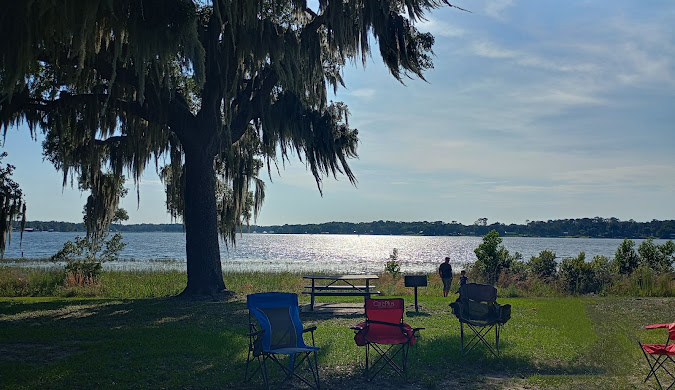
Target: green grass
x,y
65,343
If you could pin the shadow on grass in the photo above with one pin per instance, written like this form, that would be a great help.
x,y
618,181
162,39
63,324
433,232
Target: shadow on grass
x,y
153,343
416,314
165,343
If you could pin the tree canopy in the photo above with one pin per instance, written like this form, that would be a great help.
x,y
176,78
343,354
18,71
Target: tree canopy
x,y
216,90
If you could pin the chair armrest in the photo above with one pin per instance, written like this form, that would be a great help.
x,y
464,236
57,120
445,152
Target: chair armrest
x,y
656,326
396,324
258,333
310,329
360,326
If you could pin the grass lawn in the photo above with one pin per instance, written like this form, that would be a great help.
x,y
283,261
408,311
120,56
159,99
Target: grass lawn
x,y
66,343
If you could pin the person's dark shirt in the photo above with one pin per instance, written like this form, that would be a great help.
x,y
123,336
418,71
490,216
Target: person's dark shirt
x,y
463,280
446,270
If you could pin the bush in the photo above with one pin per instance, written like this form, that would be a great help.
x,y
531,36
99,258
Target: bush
x,y
492,257
625,258
576,275
602,274
393,266
544,265
84,258
657,257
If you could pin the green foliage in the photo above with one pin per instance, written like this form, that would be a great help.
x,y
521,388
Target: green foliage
x,y
625,258
215,88
575,274
12,204
543,265
602,274
120,216
21,282
84,257
657,257
492,257
393,266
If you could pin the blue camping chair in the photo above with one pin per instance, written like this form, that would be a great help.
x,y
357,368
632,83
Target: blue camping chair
x,y
279,332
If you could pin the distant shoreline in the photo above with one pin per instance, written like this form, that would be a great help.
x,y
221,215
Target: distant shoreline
x,y
575,228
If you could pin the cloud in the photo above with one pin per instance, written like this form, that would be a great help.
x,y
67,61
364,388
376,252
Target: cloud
x,y
363,93
489,49
633,175
495,8
440,28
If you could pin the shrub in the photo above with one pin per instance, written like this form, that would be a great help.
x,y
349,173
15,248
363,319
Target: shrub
x,y
625,258
492,257
576,275
393,266
602,274
656,257
544,265
84,257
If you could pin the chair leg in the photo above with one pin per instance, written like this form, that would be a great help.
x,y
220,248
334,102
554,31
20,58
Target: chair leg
x,y
388,360
367,360
658,363
461,336
264,372
479,336
497,328
294,363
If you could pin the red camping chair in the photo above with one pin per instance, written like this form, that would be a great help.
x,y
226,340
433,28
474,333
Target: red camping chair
x,y
384,326
660,356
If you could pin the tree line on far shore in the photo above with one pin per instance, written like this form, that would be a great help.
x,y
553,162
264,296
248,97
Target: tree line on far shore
x,y
581,227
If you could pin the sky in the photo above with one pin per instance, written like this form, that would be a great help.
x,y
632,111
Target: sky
x,y
535,110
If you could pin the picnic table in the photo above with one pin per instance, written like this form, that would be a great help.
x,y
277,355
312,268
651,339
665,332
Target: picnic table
x,y
339,285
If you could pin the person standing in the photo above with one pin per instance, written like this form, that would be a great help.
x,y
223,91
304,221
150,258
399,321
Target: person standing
x,y
463,278
445,272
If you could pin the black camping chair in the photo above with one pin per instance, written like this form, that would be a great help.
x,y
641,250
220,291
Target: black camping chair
x,y
280,333
477,308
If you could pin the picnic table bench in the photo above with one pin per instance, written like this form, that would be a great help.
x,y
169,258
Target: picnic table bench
x,y
339,285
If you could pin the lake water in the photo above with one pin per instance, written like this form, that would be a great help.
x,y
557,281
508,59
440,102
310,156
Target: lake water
x,y
307,252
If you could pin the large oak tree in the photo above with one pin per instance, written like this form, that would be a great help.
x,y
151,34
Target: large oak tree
x,y
216,89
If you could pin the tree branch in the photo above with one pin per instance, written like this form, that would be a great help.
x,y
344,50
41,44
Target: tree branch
x,y
248,100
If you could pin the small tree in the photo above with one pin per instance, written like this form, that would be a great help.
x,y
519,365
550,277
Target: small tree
x,y
393,266
625,258
120,216
602,273
544,265
492,257
575,274
85,256
657,257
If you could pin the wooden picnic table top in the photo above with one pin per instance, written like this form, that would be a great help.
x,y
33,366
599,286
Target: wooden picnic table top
x,y
341,277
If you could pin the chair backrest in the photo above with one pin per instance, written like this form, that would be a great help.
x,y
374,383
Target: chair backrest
x,y
478,292
478,302
385,310
279,315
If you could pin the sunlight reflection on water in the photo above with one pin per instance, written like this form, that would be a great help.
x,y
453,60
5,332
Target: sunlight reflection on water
x,y
307,252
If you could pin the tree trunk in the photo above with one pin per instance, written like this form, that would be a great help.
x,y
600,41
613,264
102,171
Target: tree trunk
x,y
204,272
